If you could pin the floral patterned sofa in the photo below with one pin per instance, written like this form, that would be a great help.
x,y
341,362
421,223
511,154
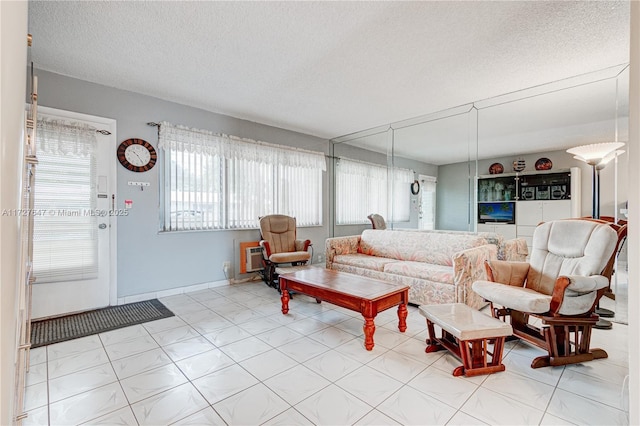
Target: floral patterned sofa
x,y
438,266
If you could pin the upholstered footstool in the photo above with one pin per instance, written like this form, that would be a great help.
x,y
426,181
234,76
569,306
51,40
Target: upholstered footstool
x,y
467,334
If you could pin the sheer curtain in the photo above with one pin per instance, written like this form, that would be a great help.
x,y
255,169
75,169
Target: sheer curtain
x,y
65,234
361,189
216,181
402,179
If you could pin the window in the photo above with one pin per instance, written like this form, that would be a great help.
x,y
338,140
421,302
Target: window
x,y
402,179
65,236
214,181
362,188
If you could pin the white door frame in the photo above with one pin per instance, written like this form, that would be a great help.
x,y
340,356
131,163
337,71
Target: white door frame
x,y
110,125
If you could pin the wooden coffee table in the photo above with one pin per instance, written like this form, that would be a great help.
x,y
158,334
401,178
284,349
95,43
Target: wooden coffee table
x,y
361,294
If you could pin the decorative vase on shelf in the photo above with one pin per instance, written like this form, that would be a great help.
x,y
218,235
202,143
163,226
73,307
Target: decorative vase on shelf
x,y
543,164
483,194
496,169
499,191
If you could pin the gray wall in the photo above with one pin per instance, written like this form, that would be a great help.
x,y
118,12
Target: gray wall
x,y
453,197
149,261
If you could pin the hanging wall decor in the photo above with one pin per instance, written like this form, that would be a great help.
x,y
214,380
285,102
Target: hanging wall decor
x,y
415,187
543,164
518,165
496,169
137,155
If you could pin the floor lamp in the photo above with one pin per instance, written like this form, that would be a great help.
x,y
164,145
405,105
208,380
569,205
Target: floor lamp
x,y
598,155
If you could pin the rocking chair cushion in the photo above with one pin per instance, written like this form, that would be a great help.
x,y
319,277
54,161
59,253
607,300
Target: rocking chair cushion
x,y
575,303
518,298
578,297
582,284
287,257
302,245
568,248
509,272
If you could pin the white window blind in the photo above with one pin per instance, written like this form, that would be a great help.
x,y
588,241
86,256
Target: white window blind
x,y
65,236
362,188
402,179
214,181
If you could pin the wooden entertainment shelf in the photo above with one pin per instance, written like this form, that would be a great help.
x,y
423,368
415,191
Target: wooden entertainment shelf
x,y
513,204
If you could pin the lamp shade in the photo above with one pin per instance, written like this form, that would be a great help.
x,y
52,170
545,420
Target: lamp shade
x,y
594,153
610,156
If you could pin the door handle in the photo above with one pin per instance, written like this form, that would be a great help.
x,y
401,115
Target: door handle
x,y
102,226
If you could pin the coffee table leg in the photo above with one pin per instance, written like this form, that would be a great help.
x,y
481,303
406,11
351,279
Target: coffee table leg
x,y
285,300
369,328
402,317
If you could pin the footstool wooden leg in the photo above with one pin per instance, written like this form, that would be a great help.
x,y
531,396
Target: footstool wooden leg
x,y
433,345
458,371
475,361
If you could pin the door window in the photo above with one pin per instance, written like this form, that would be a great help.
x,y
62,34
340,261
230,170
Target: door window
x,y
65,236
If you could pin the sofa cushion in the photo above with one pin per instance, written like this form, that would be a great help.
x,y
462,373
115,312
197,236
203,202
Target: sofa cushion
x,y
363,261
497,239
428,247
427,271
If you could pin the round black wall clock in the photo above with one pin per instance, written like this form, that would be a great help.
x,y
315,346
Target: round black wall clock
x,y
415,187
137,155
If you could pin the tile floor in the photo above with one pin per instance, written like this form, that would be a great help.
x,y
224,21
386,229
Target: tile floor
x,y
229,356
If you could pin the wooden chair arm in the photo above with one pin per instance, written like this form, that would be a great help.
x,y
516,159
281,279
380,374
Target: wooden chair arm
x,y
266,249
558,294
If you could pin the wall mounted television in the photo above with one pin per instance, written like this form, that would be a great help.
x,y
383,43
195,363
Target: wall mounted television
x,y
498,212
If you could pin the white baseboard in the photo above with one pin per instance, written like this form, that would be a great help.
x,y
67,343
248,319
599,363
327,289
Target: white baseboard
x,y
170,292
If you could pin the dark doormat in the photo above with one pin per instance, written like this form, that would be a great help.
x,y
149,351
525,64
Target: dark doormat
x,y
55,330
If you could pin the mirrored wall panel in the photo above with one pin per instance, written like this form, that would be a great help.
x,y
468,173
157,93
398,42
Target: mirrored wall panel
x,y
434,172
361,179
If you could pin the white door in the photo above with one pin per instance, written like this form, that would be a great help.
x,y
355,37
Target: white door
x,y
427,202
74,216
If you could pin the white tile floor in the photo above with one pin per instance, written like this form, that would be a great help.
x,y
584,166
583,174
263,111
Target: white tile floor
x,y
229,356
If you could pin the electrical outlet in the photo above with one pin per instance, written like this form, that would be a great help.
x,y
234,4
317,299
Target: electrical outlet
x,y
320,258
226,265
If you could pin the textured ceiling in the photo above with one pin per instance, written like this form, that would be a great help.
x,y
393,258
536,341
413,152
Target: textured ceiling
x,y
330,68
